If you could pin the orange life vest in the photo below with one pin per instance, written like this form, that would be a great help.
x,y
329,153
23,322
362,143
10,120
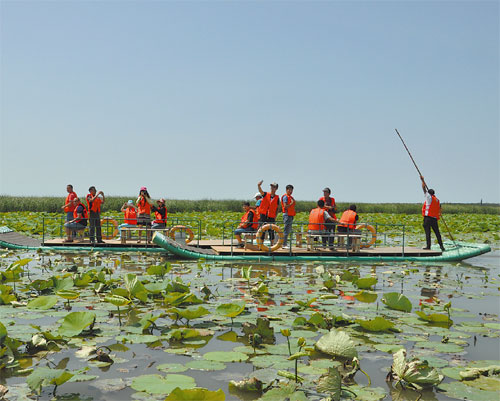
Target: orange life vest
x,y
329,202
84,214
434,209
348,219
69,199
244,220
130,216
269,206
159,218
291,208
143,207
96,204
317,219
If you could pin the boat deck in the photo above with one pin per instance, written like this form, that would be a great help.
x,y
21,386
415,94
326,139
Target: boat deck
x,y
115,243
296,251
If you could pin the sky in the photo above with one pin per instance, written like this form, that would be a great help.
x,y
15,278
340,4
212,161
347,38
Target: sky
x,y
203,99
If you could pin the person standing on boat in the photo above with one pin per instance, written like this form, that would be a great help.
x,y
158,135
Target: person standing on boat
x,y
94,202
79,220
249,223
130,217
160,215
268,208
431,211
144,204
288,209
331,208
69,206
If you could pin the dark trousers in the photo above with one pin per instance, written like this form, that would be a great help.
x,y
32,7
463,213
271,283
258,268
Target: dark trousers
x,y
263,220
95,227
330,230
431,222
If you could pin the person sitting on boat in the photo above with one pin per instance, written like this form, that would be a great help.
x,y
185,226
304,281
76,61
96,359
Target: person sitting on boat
x,y
268,208
317,219
288,209
331,208
144,204
347,223
130,216
249,223
79,221
160,215
431,211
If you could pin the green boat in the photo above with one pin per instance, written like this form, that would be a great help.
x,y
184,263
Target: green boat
x,y
455,251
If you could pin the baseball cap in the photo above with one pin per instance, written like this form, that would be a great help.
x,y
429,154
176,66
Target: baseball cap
x,y
274,184
130,202
257,195
144,189
161,200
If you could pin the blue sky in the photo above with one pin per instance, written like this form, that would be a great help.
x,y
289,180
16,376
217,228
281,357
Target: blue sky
x,y
203,99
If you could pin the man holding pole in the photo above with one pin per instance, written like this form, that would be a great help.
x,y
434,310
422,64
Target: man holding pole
x,y
431,210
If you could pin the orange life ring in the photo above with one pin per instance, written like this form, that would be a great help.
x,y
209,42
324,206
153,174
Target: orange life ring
x,y
373,238
260,234
190,233
106,221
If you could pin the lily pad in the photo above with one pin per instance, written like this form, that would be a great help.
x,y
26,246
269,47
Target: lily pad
x,y
203,364
196,394
337,343
377,324
42,302
156,384
75,322
225,356
394,300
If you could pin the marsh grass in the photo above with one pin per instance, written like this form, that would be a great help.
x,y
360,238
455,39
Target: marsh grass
x,y
114,203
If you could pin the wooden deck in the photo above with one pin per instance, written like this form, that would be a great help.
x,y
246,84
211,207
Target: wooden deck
x,y
296,251
116,243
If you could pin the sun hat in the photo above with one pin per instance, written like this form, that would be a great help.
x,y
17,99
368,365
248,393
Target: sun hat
x,y
130,202
161,200
257,195
144,189
274,184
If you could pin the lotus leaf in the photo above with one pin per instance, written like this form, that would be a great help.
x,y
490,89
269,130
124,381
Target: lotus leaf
x,y
203,364
190,313
286,392
337,343
172,367
366,297
377,324
415,373
117,300
462,391
195,394
68,294
227,356
232,309
251,384
156,384
331,383
434,317
365,283
42,302
43,376
75,322
394,300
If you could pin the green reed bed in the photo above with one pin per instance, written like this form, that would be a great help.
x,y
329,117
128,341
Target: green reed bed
x,y
114,203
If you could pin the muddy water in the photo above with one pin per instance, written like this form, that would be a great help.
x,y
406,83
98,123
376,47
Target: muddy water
x,y
472,287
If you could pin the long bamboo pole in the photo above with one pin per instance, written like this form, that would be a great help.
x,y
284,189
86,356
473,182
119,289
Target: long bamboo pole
x,y
425,184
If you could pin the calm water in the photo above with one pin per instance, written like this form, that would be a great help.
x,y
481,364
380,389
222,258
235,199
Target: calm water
x,y
472,287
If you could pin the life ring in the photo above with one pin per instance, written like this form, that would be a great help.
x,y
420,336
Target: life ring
x,y
106,221
260,236
373,238
190,233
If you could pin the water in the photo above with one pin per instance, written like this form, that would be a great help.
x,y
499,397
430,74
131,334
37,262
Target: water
x,y
472,287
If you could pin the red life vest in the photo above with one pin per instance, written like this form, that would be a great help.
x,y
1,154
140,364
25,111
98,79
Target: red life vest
x,y
329,202
143,207
291,208
348,219
96,204
269,206
84,214
69,199
130,216
244,220
434,209
317,219
161,218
